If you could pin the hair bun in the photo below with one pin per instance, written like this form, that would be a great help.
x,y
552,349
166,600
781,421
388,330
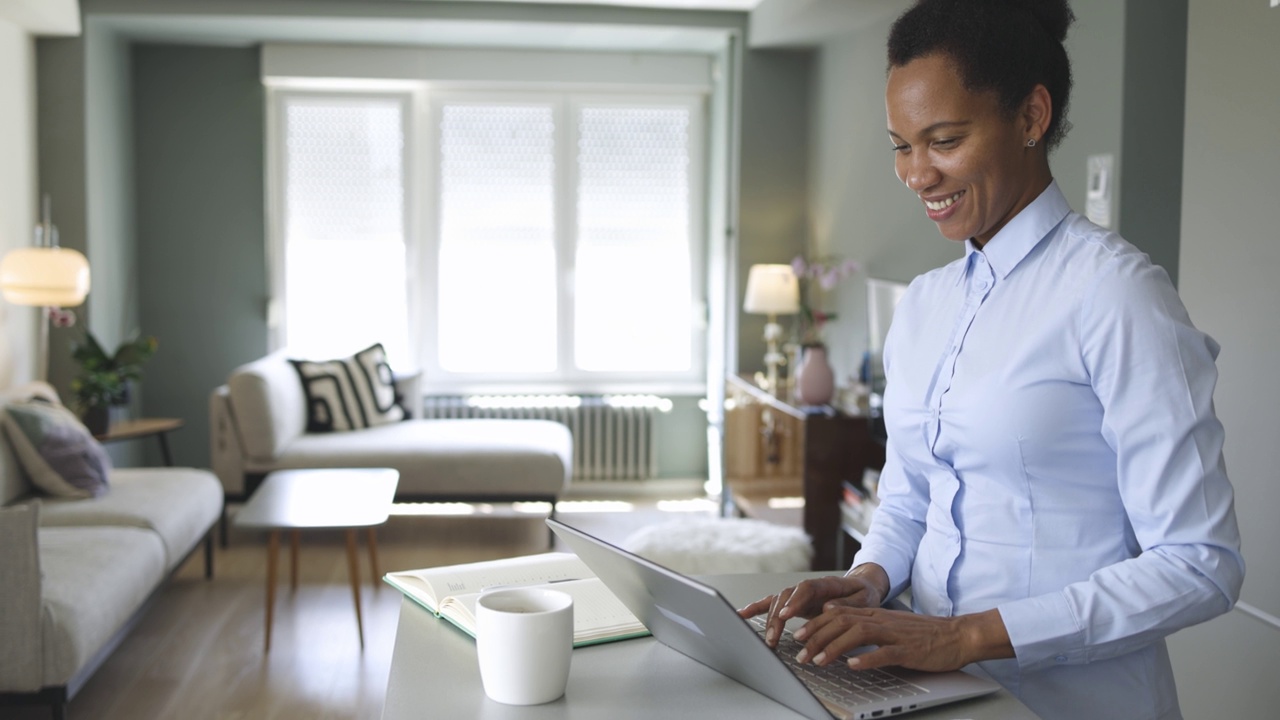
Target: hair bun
x,y
1054,16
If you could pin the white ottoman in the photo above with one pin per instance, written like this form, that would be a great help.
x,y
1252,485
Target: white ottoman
x,y
719,546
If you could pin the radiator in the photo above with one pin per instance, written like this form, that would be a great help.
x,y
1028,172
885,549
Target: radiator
x,y
613,436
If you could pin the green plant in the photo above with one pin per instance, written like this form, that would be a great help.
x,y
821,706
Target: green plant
x,y
103,379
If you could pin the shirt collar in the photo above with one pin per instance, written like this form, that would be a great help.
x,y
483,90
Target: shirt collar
x,y
1017,238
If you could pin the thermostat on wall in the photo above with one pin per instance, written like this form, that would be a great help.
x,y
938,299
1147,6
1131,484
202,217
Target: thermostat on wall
x,y
1101,189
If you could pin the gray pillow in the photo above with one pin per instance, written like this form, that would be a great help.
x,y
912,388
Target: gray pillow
x,y
56,450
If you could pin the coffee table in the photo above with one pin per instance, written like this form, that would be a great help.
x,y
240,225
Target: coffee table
x,y
317,499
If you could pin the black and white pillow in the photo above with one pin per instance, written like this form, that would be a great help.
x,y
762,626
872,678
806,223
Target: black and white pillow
x,y
351,393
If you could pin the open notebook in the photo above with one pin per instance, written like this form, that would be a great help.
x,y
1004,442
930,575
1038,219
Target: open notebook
x,y
451,592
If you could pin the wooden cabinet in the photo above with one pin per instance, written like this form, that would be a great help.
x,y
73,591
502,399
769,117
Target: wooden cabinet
x,y
786,464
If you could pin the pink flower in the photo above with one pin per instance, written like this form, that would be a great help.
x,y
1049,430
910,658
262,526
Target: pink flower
x,y
60,318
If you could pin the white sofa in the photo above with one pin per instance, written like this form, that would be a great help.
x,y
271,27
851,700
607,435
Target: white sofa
x,y
77,574
258,424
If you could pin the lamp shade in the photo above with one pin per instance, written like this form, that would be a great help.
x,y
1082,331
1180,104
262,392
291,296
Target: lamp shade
x,y
772,290
44,277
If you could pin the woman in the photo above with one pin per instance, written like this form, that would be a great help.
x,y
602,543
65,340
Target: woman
x,y
1054,491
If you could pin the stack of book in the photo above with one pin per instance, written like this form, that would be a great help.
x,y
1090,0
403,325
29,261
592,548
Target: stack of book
x,y
856,508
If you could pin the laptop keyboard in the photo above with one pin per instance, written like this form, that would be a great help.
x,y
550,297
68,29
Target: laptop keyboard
x,y
838,684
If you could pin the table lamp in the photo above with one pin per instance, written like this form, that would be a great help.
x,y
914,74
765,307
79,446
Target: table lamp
x,y
772,290
44,276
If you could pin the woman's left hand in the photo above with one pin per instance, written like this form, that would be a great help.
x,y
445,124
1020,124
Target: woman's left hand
x,y
906,639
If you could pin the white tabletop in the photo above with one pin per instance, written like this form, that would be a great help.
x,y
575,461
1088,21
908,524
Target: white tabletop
x,y
434,675
321,498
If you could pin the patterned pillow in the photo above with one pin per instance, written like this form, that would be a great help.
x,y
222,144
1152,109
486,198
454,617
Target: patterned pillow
x,y
56,450
350,394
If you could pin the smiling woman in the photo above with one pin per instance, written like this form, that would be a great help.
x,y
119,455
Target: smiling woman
x,y
1054,490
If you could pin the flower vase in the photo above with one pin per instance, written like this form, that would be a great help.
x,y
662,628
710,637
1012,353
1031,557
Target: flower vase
x,y
815,382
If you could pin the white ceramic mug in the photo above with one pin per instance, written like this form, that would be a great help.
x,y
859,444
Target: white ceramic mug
x,y
524,638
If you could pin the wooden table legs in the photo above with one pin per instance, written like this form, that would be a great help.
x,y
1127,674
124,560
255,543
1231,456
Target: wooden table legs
x,y
273,547
353,574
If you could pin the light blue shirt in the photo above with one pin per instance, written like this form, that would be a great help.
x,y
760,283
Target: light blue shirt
x,y
1053,453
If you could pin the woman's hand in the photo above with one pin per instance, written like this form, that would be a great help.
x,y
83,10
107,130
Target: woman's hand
x,y
863,587
920,642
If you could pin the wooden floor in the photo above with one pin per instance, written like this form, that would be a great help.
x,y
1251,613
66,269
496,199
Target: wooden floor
x,y
198,652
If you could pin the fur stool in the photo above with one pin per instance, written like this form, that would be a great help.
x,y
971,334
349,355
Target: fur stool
x,y
717,546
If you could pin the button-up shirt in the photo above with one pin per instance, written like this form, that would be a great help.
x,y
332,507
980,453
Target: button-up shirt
x,y
1053,453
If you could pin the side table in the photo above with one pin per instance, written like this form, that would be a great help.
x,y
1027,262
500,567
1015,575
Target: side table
x,y
315,499
144,427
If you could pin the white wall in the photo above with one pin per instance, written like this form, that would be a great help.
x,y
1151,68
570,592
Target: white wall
x,y
1230,261
17,191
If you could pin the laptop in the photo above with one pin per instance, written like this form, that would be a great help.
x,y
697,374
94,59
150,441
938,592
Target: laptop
x,y
696,620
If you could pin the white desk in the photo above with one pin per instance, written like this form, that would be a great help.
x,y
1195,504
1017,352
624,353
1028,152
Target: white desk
x,y
434,675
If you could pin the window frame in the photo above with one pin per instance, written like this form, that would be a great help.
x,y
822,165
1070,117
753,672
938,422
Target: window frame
x,y
421,105
567,379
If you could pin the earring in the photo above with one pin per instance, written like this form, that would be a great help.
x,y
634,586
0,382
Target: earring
x,y
1031,142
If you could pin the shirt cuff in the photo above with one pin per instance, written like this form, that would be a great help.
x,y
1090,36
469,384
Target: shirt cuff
x,y
897,568
1044,631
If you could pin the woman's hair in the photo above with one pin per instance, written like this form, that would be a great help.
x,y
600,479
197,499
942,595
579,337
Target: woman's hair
x,y
1007,46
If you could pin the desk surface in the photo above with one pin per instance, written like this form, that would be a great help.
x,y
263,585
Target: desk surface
x,y
434,674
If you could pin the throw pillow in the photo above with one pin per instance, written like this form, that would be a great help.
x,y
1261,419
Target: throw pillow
x,y
351,393
56,450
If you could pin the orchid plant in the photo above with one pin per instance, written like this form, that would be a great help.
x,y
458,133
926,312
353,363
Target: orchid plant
x,y
827,274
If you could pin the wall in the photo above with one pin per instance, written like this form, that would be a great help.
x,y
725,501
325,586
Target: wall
x,y
1229,260
18,196
199,132
772,214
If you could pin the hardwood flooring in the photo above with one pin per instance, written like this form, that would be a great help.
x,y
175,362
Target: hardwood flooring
x,y
198,652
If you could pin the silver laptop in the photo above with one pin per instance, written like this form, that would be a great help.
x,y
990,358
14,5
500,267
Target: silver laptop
x,y
696,620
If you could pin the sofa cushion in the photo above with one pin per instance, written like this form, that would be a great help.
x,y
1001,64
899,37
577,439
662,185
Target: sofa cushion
x,y
14,483
55,449
268,404
178,504
349,393
499,458
95,578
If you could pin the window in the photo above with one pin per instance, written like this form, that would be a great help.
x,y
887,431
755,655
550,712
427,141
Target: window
x,y
341,192
568,236
557,245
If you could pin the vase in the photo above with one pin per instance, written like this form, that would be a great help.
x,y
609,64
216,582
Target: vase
x,y
97,419
815,382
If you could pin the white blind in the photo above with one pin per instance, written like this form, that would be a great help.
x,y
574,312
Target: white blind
x,y
497,272
344,269
633,294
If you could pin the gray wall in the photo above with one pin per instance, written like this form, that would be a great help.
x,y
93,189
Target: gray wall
x,y
198,125
1155,60
61,164
773,204
1229,261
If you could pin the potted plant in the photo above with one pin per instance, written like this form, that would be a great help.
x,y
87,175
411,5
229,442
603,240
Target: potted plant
x,y
103,380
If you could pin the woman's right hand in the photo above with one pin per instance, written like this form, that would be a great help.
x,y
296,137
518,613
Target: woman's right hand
x,y
864,586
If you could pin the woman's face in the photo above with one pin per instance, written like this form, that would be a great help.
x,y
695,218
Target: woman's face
x,y
965,159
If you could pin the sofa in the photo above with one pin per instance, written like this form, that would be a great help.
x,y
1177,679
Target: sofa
x,y
77,574
258,423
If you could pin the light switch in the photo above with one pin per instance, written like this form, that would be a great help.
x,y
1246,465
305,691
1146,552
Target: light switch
x,y
1101,189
